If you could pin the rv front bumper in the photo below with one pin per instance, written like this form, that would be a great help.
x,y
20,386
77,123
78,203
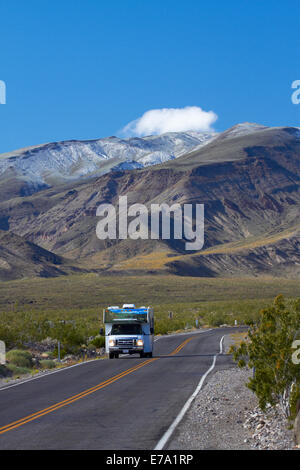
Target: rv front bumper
x,y
124,350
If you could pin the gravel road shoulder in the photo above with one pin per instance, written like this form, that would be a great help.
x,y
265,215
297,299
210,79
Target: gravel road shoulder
x,y
225,415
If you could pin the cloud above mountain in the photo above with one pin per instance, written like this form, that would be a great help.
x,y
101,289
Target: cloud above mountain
x,y
159,121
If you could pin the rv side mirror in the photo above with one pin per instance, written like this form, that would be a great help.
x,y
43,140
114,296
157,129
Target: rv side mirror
x,y
101,332
152,331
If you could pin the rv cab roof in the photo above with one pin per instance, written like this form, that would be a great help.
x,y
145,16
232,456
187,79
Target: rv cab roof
x,y
128,306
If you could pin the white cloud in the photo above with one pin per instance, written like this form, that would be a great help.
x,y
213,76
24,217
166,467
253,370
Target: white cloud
x,y
158,121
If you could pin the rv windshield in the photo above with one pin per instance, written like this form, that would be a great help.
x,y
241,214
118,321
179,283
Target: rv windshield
x,y
126,330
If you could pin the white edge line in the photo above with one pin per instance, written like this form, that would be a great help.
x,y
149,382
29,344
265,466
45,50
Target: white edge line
x,y
164,439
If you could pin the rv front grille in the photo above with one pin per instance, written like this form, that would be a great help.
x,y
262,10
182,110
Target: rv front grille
x,y
126,343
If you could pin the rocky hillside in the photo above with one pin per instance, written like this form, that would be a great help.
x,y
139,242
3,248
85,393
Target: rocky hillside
x,y
20,258
248,178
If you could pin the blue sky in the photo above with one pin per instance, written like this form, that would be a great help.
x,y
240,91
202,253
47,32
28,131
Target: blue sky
x,y
85,69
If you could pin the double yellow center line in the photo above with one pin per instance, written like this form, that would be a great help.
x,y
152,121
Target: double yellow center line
x,y
179,348
68,401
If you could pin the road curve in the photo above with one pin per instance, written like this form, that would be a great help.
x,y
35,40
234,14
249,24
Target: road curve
x,y
123,404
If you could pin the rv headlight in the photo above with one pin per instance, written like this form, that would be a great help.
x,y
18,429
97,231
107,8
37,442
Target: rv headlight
x,y
140,342
112,342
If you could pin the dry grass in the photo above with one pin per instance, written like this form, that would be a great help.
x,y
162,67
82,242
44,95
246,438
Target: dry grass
x,y
239,338
158,260
152,261
235,340
251,243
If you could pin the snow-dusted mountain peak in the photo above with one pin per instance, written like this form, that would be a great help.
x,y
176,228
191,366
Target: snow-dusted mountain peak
x,y
74,159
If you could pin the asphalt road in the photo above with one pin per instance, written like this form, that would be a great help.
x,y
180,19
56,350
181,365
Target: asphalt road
x,y
125,403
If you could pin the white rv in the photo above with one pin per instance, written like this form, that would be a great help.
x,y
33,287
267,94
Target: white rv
x,y
129,330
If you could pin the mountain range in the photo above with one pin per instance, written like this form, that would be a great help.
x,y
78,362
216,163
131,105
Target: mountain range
x,y
248,178
34,168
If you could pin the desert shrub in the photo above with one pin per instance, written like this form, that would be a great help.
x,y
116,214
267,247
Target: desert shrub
x,y
9,336
20,358
18,370
248,320
216,319
50,354
98,341
294,398
269,351
162,327
68,334
63,352
47,364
